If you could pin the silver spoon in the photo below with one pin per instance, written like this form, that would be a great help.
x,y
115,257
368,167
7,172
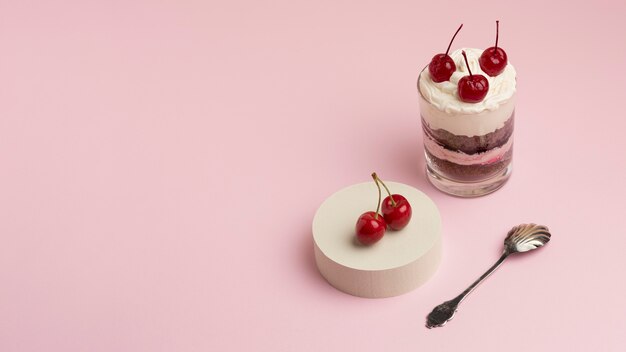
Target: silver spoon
x,y
521,238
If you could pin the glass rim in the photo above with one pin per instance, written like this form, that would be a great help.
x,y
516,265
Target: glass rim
x,y
419,77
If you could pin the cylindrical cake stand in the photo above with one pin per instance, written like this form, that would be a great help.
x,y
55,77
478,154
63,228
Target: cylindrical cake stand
x,y
400,262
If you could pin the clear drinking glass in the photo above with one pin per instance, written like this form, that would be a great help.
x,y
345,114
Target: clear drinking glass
x,y
468,154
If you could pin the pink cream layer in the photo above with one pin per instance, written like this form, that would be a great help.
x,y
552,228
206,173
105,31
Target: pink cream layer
x,y
460,158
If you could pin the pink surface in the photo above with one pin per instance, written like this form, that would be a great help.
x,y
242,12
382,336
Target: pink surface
x,y
161,162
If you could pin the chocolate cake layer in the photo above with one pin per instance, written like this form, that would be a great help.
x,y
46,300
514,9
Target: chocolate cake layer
x,y
475,144
469,173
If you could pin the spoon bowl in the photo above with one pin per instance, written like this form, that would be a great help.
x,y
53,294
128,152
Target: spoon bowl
x,y
526,237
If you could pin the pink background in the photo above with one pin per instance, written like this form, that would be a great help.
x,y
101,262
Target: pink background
x,y
161,162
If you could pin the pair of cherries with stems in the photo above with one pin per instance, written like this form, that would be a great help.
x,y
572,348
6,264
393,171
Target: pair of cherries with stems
x,y
474,87
396,214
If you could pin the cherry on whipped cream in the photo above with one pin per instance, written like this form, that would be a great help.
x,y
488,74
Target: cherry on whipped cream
x,y
493,60
442,66
472,88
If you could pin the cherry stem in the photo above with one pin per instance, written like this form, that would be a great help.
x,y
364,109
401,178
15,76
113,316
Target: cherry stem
x,y
379,196
377,179
454,36
466,63
497,33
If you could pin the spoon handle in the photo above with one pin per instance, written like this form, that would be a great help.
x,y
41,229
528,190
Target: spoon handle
x,y
444,312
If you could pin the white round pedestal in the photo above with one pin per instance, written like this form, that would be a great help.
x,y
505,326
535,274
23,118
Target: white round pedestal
x,y
400,262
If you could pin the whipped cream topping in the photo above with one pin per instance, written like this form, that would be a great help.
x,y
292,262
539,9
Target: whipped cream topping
x,y
441,107
444,95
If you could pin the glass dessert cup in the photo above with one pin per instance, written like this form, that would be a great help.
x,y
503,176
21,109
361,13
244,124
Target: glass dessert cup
x,y
466,156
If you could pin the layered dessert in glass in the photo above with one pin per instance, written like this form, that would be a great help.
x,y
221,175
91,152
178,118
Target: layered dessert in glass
x,y
468,145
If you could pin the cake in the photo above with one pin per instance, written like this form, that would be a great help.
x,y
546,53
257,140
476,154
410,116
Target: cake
x,y
468,141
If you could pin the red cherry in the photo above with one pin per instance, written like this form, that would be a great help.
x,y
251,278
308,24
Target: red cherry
x,y
397,211
472,88
442,66
370,228
493,60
